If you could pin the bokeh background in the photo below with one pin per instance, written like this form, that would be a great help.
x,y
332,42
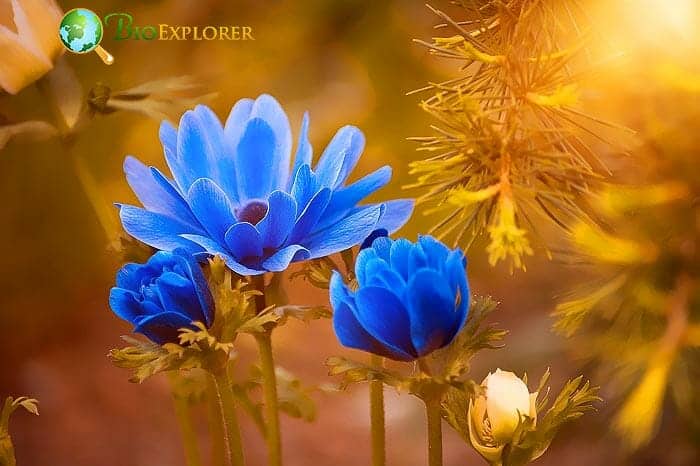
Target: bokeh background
x,y
346,62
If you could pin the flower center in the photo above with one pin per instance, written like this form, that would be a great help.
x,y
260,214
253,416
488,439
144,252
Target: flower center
x,y
252,212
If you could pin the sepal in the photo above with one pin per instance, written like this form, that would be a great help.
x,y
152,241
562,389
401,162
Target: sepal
x,y
453,360
196,349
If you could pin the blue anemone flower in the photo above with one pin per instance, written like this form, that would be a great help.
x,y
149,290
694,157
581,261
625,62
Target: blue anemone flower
x,y
233,193
167,293
411,298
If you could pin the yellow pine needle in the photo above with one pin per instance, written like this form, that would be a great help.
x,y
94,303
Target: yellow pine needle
x,y
611,249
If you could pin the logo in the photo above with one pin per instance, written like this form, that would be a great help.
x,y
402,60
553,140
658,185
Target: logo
x,y
81,31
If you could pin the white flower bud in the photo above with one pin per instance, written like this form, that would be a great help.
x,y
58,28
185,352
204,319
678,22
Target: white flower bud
x,y
507,400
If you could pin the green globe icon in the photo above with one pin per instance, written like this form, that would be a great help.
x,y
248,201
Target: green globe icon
x,y
80,30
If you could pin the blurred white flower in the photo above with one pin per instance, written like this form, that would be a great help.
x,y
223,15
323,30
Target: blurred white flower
x,y
29,41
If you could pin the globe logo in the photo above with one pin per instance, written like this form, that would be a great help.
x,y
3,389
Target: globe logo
x,y
81,32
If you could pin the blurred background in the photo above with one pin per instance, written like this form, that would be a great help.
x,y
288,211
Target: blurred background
x,y
346,62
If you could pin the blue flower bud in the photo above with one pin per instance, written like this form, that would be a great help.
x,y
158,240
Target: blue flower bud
x,y
412,298
167,293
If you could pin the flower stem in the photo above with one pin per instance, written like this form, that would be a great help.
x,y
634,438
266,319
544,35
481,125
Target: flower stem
x,y
376,404
216,425
232,434
432,410
267,367
189,437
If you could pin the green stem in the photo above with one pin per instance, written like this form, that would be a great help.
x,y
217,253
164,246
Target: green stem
x,y
232,433
267,367
432,410
272,417
376,408
184,419
216,425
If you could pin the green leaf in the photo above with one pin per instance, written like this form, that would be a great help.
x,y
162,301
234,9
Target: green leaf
x,y
455,410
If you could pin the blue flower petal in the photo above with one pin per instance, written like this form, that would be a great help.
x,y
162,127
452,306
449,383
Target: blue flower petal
x,y
379,273
277,144
399,256
304,187
345,199
241,269
304,152
417,260
382,246
277,224
351,334
196,275
129,276
164,327
155,196
338,292
236,121
348,232
310,216
397,213
363,258
157,230
168,137
280,260
182,175
219,152
384,317
435,251
255,161
124,304
457,278
177,294
244,242
431,306
212,207
196,153
267,108
340,156
215,249
212,247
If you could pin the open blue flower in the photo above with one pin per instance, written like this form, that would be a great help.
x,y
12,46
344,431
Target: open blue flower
x,y
167,293
411,298
233,193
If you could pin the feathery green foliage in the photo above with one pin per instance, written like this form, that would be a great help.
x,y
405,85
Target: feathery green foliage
x,y
511,145
640,312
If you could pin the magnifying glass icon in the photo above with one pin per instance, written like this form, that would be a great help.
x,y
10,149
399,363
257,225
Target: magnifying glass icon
x,y
81,32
